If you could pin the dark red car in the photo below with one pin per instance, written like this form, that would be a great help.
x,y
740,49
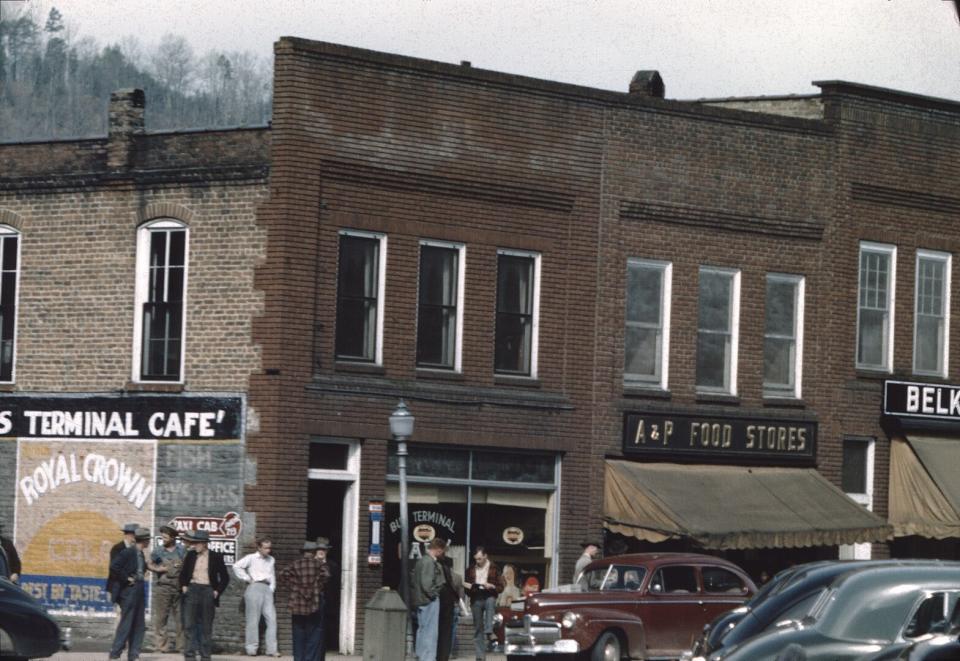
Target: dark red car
x,y
643,606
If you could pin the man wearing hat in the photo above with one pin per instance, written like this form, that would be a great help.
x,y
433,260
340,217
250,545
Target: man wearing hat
x,y
590,551
305,580
329,596
128,569
114,583
166,561
257,571
203,579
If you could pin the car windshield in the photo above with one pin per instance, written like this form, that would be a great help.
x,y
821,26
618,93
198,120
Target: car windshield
x,y
614,578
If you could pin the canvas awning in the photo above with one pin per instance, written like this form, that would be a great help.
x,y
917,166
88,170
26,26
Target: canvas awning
x,y
924,489
733,507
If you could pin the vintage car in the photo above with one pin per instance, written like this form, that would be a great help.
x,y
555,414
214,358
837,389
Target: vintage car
x,y
859,614
644,606
26,629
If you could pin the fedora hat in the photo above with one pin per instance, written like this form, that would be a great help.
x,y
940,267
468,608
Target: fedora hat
x,y
170,530
197,536
130,528
323,543
587,543
309,546
142,534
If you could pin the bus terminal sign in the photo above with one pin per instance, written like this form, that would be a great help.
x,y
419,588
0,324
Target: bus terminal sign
x,y
719,438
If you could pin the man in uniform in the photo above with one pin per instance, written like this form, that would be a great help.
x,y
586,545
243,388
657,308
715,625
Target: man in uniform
x,y
128,569
203,579
166,562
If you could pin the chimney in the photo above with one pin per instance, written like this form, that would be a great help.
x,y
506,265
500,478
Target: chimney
x,y
647,84
125,123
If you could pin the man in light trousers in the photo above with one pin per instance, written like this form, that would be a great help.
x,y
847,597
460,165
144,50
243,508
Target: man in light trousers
x,y
425,595
257,570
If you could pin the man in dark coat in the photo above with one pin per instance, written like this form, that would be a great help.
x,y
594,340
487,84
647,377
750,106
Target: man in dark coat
x,y
115,583
9,558
128,569
203,579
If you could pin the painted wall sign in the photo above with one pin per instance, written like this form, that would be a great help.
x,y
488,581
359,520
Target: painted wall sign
x,y
720,438
375,555
921,400
223,530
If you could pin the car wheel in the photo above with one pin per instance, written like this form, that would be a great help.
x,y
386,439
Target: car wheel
x,y
607,648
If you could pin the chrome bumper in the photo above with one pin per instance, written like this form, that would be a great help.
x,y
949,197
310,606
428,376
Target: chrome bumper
x,y
535,638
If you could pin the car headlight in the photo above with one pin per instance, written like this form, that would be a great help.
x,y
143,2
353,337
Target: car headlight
x,y
497,620
569,619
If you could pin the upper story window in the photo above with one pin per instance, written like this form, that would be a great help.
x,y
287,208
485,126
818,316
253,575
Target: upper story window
x,y
717,330
518,294
783,336
875,306
160,321
647,333
360,285
440,305
931,320
9,285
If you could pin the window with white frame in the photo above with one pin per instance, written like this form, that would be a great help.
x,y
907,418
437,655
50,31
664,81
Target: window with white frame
x,y
440,305
360,288
875,306
717,330
783,335
160,299
647,332
856,480
518,294
931,319
9,286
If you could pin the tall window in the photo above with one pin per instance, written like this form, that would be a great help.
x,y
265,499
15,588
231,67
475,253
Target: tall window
x,y
518,291
717,328
360,297
160,323
783,336
439,318
647,334
931,319
856,479
875,306
9,283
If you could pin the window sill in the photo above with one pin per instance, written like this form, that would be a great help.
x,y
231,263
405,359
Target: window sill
x,y
8,387
153,386
522,381
358,368
718,398
877,374
439,374
784,402
639,390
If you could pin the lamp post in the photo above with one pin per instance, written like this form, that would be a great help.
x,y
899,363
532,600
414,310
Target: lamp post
x,y
401,429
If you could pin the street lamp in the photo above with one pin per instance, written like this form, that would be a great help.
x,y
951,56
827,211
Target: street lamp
x,y
401,429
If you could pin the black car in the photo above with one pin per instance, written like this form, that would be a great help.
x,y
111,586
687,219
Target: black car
x,y
26,629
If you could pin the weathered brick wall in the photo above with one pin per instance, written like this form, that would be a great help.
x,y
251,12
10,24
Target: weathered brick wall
x,y
78,223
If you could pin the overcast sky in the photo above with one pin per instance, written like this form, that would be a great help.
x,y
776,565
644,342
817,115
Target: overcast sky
x,y
702,48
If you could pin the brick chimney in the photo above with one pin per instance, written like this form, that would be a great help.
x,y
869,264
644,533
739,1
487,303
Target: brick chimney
x,y
125,123
647,84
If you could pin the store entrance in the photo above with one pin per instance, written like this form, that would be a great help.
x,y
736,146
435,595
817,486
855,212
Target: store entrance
x,y
325,519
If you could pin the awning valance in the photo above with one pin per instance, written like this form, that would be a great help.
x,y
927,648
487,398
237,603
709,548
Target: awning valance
x,y
733,507
924,487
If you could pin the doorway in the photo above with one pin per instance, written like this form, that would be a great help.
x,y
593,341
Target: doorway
x,y
332,507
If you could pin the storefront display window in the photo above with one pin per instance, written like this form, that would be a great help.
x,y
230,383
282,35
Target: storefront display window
x,y
503,501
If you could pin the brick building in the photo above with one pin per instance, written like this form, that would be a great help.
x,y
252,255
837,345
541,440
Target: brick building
x,y
664,324
128,298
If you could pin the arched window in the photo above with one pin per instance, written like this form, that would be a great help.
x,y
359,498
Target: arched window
x,y
160,319
9,287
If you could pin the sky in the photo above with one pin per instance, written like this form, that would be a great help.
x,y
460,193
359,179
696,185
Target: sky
x,y
702,48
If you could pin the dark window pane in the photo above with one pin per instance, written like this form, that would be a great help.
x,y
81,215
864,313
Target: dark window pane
x,y
438,276
436,337
778,358
8,289
513,467
10,253
854,470
781,307
675,580
715,297
158,249
431,462
712,360
718,579
644,294
356,298
178,246
514,333
332,456
158,279
437,314
515,284
162,335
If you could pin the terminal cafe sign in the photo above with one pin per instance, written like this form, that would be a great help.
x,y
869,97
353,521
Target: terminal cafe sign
x,y
921,400
733,439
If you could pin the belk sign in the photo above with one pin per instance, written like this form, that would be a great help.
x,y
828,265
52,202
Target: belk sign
x,y
921,400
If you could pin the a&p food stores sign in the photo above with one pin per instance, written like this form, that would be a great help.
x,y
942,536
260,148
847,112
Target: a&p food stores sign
x,y
87,465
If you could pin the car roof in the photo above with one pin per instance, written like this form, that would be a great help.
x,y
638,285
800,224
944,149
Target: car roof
x,y
657,559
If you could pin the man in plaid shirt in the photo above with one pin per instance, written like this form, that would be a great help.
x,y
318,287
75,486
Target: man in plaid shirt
x,y
306,579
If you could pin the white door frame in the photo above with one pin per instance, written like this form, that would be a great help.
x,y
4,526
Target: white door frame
x,y
351,506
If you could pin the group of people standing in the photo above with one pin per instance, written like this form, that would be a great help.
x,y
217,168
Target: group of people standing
x,y
437,592
189,580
